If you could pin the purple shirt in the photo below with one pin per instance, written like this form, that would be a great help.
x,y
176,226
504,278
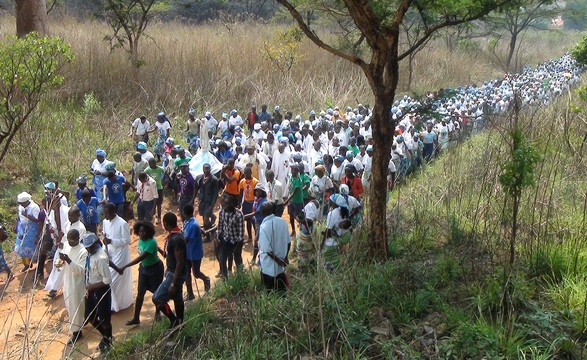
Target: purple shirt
x,y
187,185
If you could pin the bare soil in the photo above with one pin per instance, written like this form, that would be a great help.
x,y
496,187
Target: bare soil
x,y
32,326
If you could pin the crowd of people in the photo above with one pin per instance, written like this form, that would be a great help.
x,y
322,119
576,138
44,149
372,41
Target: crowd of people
x,y
275,176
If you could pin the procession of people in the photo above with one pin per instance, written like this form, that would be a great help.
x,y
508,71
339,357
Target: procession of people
x,y
294,187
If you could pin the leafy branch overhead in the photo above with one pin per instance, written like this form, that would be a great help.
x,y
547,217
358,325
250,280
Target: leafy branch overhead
x,y
29,68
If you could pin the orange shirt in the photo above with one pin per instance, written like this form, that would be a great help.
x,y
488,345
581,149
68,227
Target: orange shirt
x,y
233,187
248,188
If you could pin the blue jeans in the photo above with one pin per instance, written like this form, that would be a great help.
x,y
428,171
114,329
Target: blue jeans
x,y
145,210
161,298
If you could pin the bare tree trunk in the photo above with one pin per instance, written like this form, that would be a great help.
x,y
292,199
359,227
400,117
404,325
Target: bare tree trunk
x,y
31,15
411,70
512,48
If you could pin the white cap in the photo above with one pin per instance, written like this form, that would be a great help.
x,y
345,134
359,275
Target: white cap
x,y
23,197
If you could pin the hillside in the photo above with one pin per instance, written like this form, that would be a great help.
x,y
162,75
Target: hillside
x,y
442,295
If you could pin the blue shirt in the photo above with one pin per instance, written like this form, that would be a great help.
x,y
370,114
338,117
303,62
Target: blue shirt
x,y
265,116
89,211
429,137
257,208
223,156
115,190
193,238
78,193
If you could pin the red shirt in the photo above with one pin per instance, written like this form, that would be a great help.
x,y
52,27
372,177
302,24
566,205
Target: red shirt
x,y
355,186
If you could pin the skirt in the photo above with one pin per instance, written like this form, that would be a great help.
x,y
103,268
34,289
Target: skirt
x,y
25,239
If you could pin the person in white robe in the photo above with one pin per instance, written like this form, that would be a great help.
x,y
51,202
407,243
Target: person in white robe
x,y
280,166
55,279
367,164
256,160
204,156
74,256
117,244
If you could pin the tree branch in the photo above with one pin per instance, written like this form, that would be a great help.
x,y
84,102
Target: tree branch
x,y
448,22
316,39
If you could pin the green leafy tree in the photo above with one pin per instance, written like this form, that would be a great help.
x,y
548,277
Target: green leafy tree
x,y
378,23
518,173
579,51
512,23
29,68
283,49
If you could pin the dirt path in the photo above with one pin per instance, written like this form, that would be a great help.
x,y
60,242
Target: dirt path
x,y
48,332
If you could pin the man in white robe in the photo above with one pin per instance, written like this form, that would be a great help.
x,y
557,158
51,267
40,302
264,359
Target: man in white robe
x,y
74,290
55,279
256,160
280,166
367,164
117,244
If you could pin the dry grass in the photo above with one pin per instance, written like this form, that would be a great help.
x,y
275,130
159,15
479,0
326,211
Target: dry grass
x,y
211,67
219,67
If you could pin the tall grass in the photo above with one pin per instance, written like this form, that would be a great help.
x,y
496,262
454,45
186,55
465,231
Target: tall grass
x,y
448,227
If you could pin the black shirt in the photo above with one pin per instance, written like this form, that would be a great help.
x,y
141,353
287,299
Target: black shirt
x,y
175,241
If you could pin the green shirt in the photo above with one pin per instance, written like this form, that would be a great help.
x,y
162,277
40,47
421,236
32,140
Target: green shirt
x,y
296,183
157,175
149,246
305,181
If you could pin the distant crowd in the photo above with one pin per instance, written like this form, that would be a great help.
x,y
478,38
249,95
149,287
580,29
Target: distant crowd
x,y
276,177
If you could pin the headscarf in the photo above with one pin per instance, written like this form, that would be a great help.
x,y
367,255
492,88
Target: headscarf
x,y
344,189
339,200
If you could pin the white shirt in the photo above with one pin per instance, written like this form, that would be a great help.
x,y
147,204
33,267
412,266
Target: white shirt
x,y
148,190
273,237
165,125
315,156
99,270
275,192
336,173
211,124
320,185
332,221
141,127
269,149
32,209
223,126
235,121
101,167
312,212
147,155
